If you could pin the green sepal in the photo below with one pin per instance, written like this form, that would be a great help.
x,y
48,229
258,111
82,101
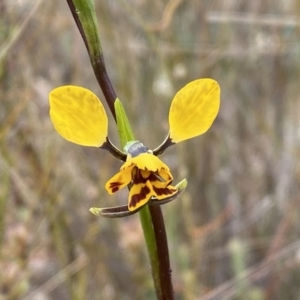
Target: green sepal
x,y
95,210
181,185
85,10
124,128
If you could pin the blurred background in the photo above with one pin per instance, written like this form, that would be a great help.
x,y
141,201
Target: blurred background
x,y
235,232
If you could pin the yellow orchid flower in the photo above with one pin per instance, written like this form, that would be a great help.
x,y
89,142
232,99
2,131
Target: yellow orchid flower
x,y
78,116
149,177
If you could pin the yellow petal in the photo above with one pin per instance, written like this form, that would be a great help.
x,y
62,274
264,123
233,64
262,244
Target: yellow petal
x,y
194,109
166,175
139,195
78,115
146,161
118,181
162,190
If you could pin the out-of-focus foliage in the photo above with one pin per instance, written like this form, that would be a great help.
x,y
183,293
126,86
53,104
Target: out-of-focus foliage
x,y
234,233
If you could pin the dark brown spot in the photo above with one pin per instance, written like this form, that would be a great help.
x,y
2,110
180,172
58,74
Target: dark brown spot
x,y
116,183
164,191
115,186
136,198
137,176
115,189
155,177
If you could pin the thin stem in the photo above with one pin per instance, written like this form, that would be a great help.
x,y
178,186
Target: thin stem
x,y
105,83
151,243
162,252
109,146
165,144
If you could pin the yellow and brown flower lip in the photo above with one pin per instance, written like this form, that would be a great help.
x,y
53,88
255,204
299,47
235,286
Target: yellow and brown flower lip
x,y
149,178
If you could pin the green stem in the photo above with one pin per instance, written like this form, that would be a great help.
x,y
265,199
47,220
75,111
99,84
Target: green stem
x,y
150,238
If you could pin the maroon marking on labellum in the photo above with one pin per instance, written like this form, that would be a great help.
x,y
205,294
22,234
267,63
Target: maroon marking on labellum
x,y
115,186
136,198
115,189
156,177
164,191
137,177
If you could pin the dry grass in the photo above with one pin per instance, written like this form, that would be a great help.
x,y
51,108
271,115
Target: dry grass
x,y
234,234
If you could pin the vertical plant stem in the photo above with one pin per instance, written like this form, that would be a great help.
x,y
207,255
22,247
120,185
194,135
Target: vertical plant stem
x,y
150,238
162,252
